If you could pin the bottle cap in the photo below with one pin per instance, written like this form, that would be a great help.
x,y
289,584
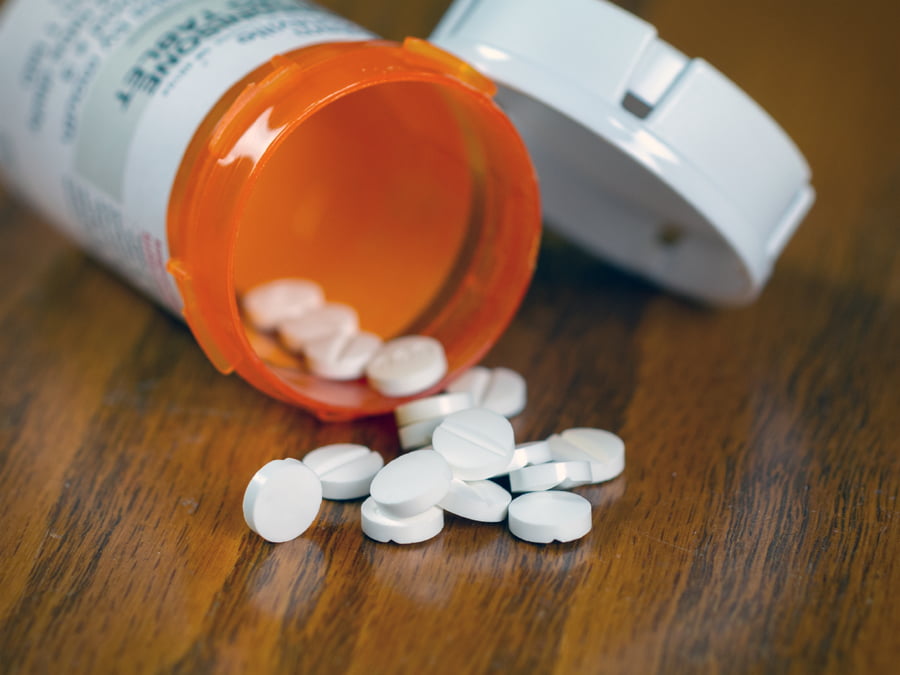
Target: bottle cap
x,y
650,159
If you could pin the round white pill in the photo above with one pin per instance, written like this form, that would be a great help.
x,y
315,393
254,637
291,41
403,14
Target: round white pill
x,y
331,457
418,434
353,480
476,443
474,381
506,393
330,319
519,460
384,527
341,356
537,452
501,390
274,302
527,454
432,407
603,449
411,484
345,469
407,365
282,500
542,517
482,500
577,474
563,475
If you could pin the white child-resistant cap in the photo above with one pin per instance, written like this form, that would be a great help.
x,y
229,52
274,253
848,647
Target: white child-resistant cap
x,y
648,158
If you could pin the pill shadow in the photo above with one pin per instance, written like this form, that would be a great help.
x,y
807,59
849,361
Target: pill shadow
x,y
564,268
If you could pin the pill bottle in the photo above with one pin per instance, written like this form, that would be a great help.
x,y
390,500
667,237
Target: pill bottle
x,y
200,147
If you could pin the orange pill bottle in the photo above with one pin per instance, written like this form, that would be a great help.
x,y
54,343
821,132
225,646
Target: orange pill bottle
x,y
200,147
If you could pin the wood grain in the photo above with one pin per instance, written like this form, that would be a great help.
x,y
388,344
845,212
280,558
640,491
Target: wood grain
x,y
756,528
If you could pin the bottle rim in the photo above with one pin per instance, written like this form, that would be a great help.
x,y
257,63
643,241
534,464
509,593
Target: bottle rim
x,y
212,188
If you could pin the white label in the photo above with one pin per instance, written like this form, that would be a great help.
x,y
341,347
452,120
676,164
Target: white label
x,y
100,99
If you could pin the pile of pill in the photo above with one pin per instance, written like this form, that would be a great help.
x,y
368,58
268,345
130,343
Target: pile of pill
x,y
469,450
328,336
459,445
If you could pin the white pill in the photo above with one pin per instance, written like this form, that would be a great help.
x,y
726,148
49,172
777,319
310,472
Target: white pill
x,y
474,381
407,365
603,449
331,457
384,527
527,454
432,407
341,356
345,469
537,452
272,303
282,500
519,460
482,500
501,390
542,517
562,475
418,434
352,480
476,443
411,484
506,393
329,320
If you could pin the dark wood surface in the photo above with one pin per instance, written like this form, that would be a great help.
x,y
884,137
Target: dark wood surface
x,y
756,527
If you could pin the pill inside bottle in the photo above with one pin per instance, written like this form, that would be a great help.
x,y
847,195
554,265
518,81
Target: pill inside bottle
x,y
385,174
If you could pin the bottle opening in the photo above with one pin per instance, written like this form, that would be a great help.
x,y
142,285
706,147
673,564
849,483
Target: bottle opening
x,y
406,194
372,197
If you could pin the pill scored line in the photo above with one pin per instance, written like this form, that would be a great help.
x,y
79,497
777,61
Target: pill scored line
x,y
338,461
475,438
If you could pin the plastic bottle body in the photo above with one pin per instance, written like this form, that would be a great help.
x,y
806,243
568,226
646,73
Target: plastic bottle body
x,y
201,147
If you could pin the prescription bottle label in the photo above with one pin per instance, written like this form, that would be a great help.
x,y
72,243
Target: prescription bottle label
x,y
100,99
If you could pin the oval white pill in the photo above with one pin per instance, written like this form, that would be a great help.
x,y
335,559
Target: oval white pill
x,y
345,469
603,449
563,475
330,319
341,356
274,302
542,517
482,500
477,443
282,500
431,407
418,434
384,527
407,365
411,484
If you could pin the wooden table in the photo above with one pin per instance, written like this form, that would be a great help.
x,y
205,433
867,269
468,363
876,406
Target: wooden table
x,y
756,527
